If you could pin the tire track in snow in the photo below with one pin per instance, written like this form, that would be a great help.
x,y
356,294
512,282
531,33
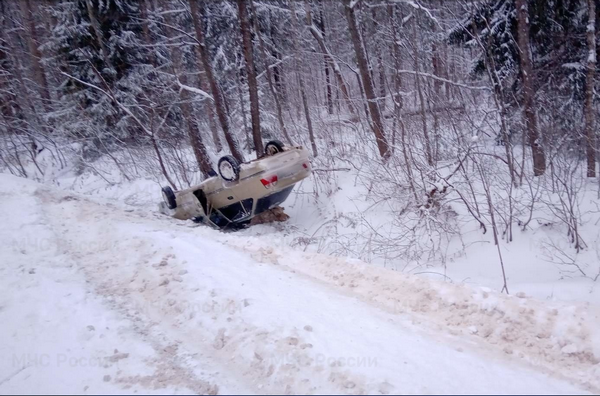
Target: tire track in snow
x,y
560,338
132,283
152,294
145,282
171,365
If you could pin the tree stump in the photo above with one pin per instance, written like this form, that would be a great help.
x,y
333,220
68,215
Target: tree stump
x,y
270,216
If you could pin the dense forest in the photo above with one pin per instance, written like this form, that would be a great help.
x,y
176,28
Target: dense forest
x,y
452,112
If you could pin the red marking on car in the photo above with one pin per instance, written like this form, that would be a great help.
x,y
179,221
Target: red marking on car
x,y
269,181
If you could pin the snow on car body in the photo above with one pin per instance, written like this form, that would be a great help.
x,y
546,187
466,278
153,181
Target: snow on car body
x,y
242,191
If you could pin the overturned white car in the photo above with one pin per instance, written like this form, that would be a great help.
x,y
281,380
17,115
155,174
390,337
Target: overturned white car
x,y
241,191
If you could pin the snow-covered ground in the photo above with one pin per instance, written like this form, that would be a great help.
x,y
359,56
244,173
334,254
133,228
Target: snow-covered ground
x,y
331,213
98,296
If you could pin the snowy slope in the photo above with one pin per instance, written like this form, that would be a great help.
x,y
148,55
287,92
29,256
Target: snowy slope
x,y
99,298
336,215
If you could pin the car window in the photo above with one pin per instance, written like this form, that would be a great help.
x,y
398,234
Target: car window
x,y
238,210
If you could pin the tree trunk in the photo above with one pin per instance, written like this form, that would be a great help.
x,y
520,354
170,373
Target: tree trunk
x,y
196,141
382,93
144,16
500,102
380,65
589,91
274,91
398,104
251,73
210,113
529,111
327,77
436,62
336,67
28,13
22,98
301,81
278,71
445,64
437,70
194,134
207,105
428,152
328,88
146,29
241,95
97,32
161,162
375,114
214,88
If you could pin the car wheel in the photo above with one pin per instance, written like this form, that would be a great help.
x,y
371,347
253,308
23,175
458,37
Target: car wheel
x,y
169,197
273,147
229,168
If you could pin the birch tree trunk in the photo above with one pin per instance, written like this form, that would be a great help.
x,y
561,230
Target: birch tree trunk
x,y
589,91
251,74
375,114
529,111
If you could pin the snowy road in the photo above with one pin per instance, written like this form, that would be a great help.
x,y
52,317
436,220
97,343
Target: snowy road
x,y
98,299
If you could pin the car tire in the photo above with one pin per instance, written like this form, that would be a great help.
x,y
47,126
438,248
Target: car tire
x,y
169,197
273,147
229,168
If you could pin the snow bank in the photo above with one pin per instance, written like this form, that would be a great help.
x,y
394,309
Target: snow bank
x,y
563,338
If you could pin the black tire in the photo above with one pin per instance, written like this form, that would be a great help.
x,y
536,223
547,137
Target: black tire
x,y
169,197
229,168
273,147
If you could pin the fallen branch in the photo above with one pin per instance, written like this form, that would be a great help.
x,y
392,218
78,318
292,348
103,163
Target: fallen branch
x,y
332,170
434,77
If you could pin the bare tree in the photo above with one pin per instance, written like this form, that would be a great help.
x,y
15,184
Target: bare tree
x,y
210,113
274,90
589,91
316,33
500,102
301,84
359,50
196,141
397,100
326,61
97,31
428,150
28,11
251,73
214,88
380,64
529,110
